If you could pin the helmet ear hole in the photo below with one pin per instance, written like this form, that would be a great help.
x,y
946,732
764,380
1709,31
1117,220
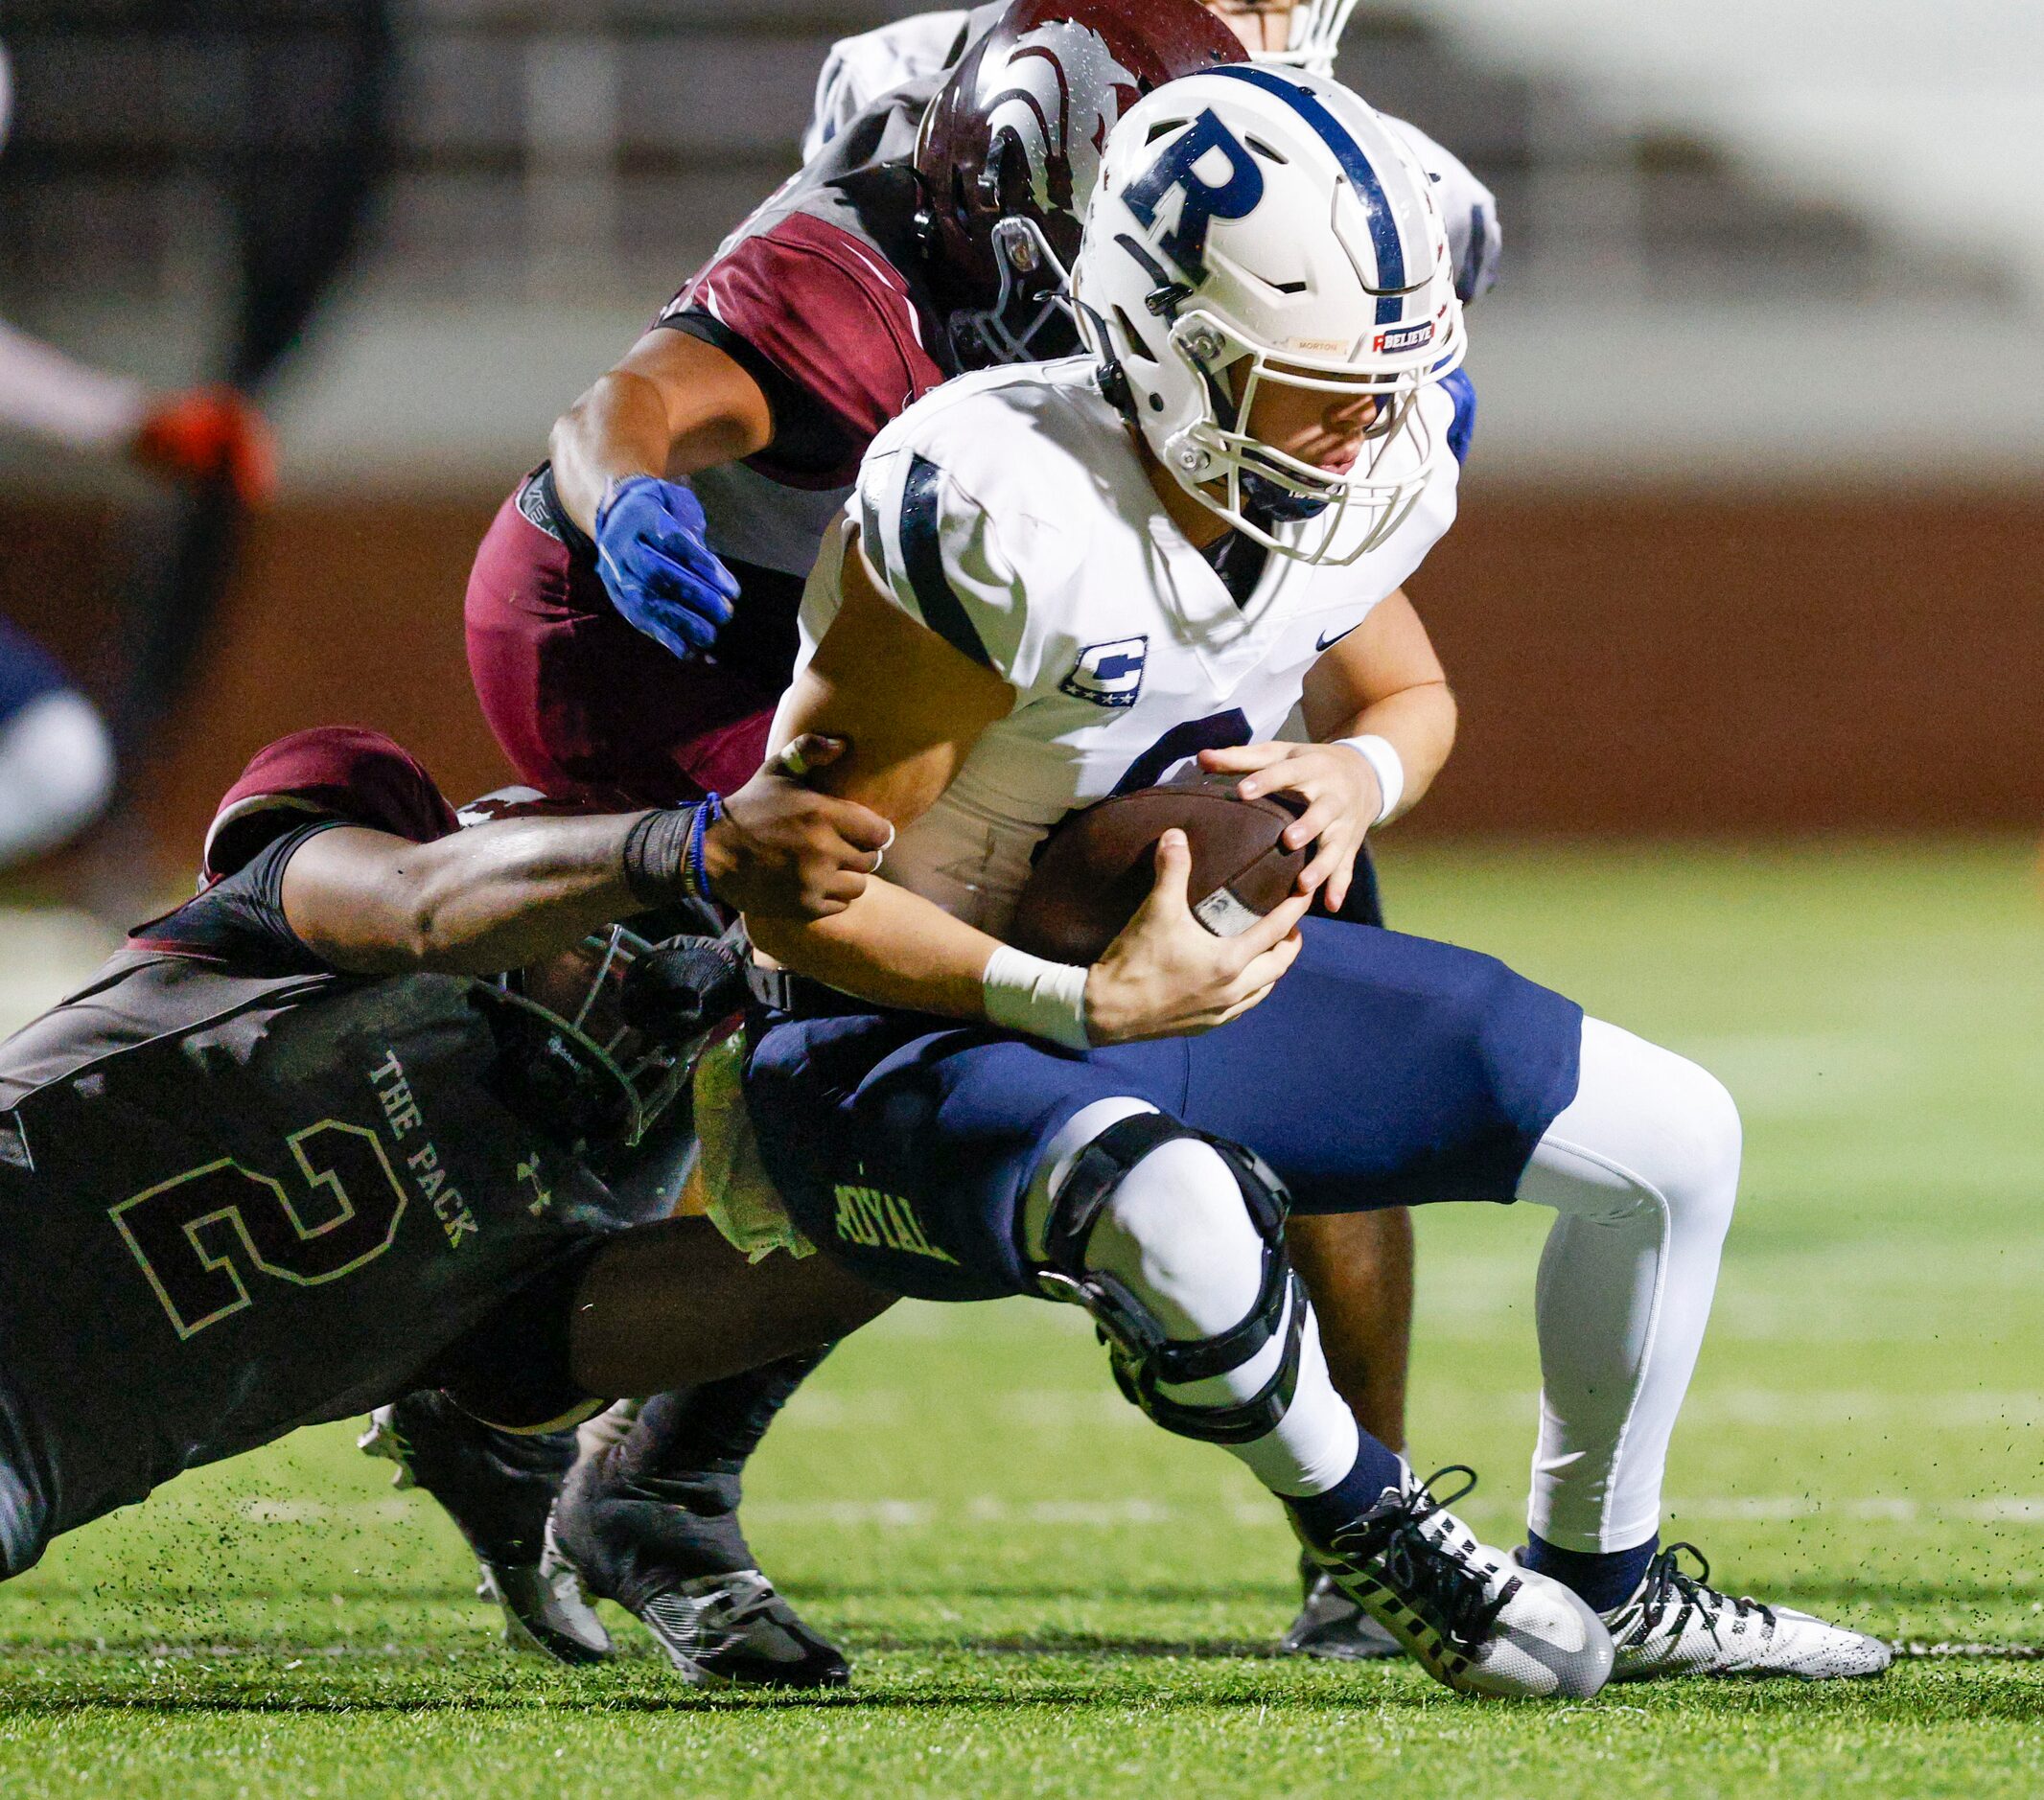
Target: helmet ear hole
x,y
1133,337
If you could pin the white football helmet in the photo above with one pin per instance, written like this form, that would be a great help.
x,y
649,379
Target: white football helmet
x,y
1253,227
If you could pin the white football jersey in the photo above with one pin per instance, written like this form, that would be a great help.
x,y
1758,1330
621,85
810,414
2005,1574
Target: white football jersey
x,y
860,69
1010,512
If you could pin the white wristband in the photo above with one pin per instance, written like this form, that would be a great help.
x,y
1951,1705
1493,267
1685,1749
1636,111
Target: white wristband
x,y
1047,999
1381,754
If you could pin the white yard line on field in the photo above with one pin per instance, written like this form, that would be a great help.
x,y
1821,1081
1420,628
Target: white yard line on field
x,y
1794,1409
990,1508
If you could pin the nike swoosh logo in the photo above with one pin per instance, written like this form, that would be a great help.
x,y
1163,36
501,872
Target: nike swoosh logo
x,y
1332,639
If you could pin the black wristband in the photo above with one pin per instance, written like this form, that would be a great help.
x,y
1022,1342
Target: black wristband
x,y
656,856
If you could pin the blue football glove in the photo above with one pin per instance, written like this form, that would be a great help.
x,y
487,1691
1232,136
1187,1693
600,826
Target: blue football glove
x,y
1462,427
658,570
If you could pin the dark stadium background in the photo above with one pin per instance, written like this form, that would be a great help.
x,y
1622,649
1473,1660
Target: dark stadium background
x,y
1654,628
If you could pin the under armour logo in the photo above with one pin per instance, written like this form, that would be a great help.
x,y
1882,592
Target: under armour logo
x,y
542,1194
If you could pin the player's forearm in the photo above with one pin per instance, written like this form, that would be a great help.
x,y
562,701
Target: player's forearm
x,y
494,897
618,429
889,946
46,394
497,896
1418,723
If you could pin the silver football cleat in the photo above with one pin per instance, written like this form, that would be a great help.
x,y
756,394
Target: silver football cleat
x,y
497,1488
1332,1627
546,1611
1475,1620
735,1631
1675,1625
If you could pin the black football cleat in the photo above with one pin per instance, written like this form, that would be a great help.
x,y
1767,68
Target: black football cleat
x,y
688,1576
498,1486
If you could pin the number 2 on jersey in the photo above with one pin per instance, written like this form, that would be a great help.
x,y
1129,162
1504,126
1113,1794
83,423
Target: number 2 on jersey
x,y
195,1234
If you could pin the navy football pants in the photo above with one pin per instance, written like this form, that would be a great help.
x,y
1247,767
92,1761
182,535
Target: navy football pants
x,y
1381,1070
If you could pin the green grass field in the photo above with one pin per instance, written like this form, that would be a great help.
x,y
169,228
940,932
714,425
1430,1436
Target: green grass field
x,y
1046,1596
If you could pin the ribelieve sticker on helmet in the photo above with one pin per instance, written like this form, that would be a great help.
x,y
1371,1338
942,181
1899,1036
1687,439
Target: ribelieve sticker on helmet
x,y
1203,201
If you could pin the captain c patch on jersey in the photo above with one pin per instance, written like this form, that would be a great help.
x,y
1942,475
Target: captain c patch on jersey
x,y
1109,675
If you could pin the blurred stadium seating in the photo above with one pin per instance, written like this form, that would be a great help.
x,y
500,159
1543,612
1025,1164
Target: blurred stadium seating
x,y
1723,222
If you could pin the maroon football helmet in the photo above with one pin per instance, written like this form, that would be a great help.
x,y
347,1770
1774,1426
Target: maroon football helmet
x,y
574,1053
1009,150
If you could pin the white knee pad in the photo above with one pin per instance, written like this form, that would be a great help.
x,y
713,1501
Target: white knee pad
x,y
1178,1250
1176,1232
1174,1242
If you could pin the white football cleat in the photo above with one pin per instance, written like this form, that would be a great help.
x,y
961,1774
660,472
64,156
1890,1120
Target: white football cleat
x,y
1676,1625
1470,1615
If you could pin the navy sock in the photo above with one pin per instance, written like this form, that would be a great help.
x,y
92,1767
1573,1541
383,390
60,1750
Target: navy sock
x,y
1322,1515
1605,1578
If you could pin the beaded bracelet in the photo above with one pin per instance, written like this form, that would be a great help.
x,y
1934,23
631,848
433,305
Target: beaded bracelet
x,y
707,814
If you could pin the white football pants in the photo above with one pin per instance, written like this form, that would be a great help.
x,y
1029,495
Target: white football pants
x,y
1642,1168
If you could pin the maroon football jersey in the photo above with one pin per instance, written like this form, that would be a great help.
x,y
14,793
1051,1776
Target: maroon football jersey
x,y
241,1192
821,296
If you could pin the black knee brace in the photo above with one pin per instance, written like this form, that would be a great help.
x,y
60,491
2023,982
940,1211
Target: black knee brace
x,y
1142,1355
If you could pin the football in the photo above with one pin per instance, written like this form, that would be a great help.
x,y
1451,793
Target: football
x,y
1095,869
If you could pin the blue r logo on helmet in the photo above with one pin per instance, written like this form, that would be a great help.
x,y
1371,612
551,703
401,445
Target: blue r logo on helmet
x,y
1203,201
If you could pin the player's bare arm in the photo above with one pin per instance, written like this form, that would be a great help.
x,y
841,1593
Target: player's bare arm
x,y
672,406
502,894
620,456
920,706
1383,681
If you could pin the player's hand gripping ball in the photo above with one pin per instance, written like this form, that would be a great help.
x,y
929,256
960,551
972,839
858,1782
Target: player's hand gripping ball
x,y
1097,869
658,567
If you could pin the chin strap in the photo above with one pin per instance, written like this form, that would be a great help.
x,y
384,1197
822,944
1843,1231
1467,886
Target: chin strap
x,y
1110,376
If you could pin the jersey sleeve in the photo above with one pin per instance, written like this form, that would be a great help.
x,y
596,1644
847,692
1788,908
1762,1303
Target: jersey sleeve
x,y
238,922
939,556
1476,239
825,311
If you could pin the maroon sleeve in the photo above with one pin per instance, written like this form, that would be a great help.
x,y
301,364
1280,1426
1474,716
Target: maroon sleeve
x,y
331,772
828,312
